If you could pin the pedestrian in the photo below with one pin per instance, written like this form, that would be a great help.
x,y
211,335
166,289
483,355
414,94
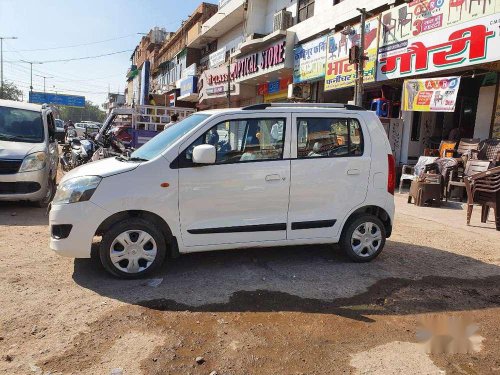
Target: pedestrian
x,y
173,119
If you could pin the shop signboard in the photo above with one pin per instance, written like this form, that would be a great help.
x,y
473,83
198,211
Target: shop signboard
x,y
431,94
274,87
473,42
419,17
217,58
270,59
213,83
189,71
309,60
341,74
188,86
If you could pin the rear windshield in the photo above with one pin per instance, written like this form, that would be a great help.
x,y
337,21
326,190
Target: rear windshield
x,y
21,125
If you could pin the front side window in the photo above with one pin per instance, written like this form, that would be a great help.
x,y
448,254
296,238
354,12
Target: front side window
x,y
243,140
328,137
306,10
20,125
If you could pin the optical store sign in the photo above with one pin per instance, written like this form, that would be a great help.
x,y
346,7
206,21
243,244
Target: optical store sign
x,y
270,59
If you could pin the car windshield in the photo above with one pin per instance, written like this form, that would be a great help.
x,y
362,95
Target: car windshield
x,y
162,141
21,125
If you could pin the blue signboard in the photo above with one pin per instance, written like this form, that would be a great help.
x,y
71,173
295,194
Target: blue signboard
x,y
273,87
58,99
189,86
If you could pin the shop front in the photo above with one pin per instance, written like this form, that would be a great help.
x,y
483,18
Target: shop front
x,y
266,65
446,64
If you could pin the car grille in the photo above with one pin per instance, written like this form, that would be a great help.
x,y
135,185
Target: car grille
x,y
9,166
22,187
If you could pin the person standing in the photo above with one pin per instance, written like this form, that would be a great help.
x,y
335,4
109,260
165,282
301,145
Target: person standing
x,y
173,120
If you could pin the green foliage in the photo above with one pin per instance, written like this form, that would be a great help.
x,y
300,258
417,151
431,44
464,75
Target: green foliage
x,y
10,92
91,112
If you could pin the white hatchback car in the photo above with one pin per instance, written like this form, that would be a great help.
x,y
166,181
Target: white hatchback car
x,y
264,175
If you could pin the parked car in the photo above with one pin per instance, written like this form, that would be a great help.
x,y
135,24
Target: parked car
x,y
28,153
60,132
264,175
86,127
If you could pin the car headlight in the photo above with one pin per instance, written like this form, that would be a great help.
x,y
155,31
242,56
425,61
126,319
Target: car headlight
x,y
33,162
76,189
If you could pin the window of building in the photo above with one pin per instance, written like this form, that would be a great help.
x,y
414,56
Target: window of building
x,y
242,141
335,2
328,137
305,10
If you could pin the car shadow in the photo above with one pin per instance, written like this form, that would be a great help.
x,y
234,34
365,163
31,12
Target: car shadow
x,y
22,214
404,279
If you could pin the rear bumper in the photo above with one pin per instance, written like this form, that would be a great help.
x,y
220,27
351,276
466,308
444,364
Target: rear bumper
x,y
30,186
84,219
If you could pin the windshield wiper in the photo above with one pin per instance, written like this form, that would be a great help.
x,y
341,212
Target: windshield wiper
x,y
137,159
121,158
7,137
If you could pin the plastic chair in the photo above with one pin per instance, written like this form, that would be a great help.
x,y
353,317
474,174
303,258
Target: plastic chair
x,y
484,189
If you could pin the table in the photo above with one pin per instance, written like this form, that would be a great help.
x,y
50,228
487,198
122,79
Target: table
x,y
423,191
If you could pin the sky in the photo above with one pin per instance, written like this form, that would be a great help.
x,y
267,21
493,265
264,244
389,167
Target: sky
x,y
85,28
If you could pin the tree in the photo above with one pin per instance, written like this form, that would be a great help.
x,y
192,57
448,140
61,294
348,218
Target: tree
x,y
91,112
10,92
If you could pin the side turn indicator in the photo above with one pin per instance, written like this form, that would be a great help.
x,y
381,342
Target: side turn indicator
x,y
164,184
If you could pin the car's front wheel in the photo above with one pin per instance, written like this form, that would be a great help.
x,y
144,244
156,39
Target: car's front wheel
x,y
132,248
363,238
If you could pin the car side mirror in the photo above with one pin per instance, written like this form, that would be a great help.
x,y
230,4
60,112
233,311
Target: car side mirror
x,y
204,154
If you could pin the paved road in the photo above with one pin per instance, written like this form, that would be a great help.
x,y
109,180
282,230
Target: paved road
x,y
277,310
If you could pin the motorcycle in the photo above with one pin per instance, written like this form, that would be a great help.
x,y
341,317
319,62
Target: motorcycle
x,y
76,151
110,146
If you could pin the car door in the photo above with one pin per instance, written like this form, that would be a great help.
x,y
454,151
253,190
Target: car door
x,y
329,172
243,197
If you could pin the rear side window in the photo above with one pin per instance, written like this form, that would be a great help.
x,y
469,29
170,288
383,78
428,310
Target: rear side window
x,y
329,137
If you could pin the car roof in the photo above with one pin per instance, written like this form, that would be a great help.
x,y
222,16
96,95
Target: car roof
x,y
289,107
21,105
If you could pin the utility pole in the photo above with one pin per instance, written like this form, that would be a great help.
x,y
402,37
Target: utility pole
x,y
31,71
1,61
44,78
359,90
229,84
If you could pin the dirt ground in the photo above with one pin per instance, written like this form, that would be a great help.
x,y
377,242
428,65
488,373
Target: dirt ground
x,y
300,310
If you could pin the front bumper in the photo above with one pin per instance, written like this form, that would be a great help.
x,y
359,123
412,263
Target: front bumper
x,y
85,218
9,181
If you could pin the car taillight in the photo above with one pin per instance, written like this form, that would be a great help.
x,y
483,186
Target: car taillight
x,y
391,173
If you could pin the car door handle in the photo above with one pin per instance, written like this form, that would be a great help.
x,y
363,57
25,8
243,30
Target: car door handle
x,y
273,177
352,172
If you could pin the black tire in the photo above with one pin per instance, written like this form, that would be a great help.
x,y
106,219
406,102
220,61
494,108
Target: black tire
x,y
365,252
130,225
49,196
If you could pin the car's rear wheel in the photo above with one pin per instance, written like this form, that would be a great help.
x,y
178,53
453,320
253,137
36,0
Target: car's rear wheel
x,y
132,248
363,238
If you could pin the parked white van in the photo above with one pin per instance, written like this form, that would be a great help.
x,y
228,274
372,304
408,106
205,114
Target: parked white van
x,y
259,176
